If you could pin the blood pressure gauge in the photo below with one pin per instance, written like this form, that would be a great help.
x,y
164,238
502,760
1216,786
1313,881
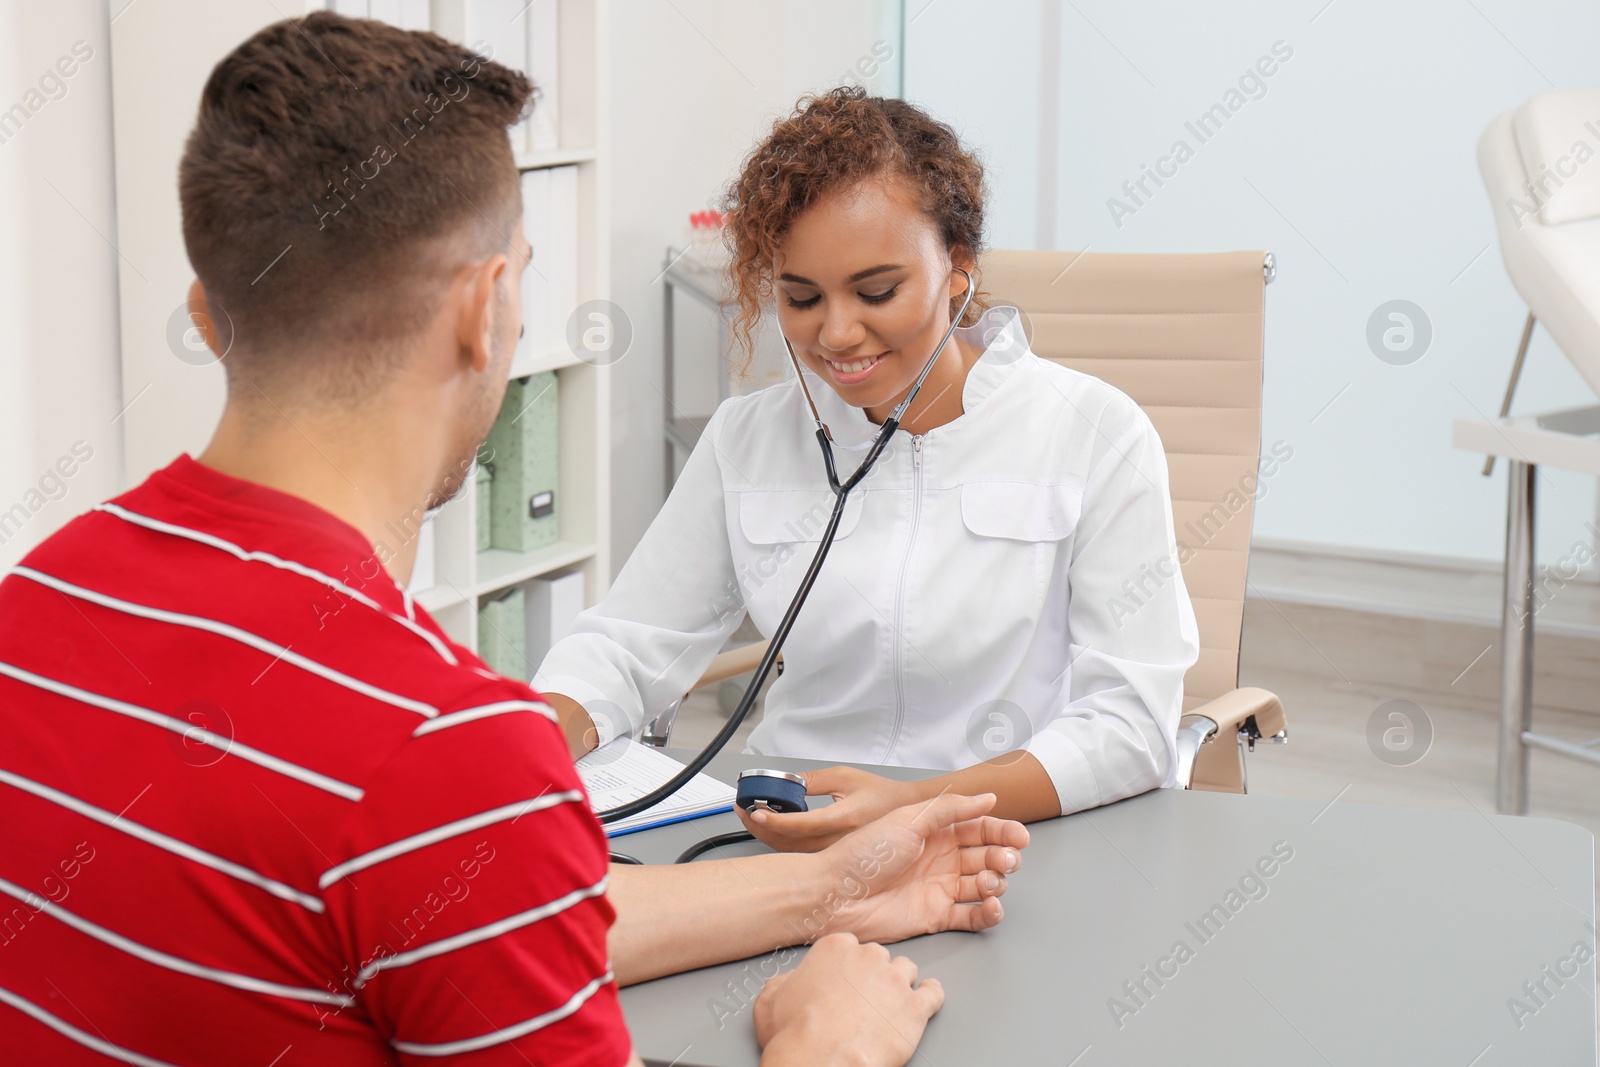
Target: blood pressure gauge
x,y
777,791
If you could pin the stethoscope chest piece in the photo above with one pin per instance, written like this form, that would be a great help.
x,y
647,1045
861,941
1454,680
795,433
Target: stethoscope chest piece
x,y
777,791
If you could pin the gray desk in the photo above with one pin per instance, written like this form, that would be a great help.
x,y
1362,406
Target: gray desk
x,y
1392,936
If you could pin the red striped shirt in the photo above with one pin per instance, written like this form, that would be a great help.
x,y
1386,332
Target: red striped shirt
x,y
256,808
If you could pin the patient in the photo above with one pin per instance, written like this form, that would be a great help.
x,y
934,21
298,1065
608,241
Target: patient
x,y
256,807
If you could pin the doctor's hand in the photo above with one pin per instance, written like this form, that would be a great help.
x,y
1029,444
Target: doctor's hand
x,y
846,1003
938,865
859,797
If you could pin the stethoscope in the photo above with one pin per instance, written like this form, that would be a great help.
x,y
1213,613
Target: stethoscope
x,y
780,790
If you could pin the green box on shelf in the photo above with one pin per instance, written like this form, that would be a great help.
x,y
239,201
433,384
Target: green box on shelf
x,y
523,493
502,633
484,479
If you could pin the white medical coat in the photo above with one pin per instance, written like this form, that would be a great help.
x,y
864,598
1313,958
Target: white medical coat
x,y
1008,580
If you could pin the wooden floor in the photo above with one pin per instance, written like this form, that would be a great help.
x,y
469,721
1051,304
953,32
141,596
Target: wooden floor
x,y
1417,586
1333,667
1424,623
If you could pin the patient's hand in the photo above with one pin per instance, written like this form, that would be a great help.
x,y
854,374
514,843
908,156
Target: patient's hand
x,y
858,798
937,865
846,1003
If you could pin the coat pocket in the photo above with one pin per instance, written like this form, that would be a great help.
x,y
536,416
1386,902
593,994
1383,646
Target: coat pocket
x,y
1021,511
793,516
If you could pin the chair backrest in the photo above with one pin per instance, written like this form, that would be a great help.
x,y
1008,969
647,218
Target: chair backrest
x,y
1182,335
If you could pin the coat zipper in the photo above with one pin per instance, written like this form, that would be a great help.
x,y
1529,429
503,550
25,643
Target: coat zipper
x,y
900,597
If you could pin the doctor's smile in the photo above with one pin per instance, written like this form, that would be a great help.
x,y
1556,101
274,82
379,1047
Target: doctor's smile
x,y
853,371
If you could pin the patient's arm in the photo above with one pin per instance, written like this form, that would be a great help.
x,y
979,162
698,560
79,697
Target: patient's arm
x,y
847,1002
940,865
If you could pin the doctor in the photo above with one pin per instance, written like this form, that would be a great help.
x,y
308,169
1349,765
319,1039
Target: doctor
x,y
973,615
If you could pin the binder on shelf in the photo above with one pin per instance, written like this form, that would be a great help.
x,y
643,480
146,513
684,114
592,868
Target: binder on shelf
x,y
414,15
543,51
501,638
407,14
550,281
497,30
536,275
523,443
564,253
423,567
482,486
553,605
422,576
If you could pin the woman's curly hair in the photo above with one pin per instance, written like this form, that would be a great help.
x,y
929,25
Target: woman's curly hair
x,y
832,141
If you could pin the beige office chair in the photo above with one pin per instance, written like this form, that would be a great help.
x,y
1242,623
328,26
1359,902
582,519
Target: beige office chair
x,y
1182,336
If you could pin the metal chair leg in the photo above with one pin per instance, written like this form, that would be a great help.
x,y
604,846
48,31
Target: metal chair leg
x,y
1516,642
1511,386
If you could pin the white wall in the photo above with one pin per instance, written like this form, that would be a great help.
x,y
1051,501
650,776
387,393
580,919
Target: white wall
x,y
696,83
58,328
1356,168
172,386
1363,141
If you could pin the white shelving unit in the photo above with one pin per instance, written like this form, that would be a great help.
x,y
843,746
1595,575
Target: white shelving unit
x,y
162,52
464,576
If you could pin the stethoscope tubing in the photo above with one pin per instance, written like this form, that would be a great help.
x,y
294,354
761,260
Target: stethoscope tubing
x,y
841,492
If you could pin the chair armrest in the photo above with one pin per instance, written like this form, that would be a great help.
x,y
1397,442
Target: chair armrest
x,y
1211,738
1193,731
731,664
1233,710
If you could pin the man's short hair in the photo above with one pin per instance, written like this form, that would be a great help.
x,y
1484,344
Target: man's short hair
x,y
337,167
